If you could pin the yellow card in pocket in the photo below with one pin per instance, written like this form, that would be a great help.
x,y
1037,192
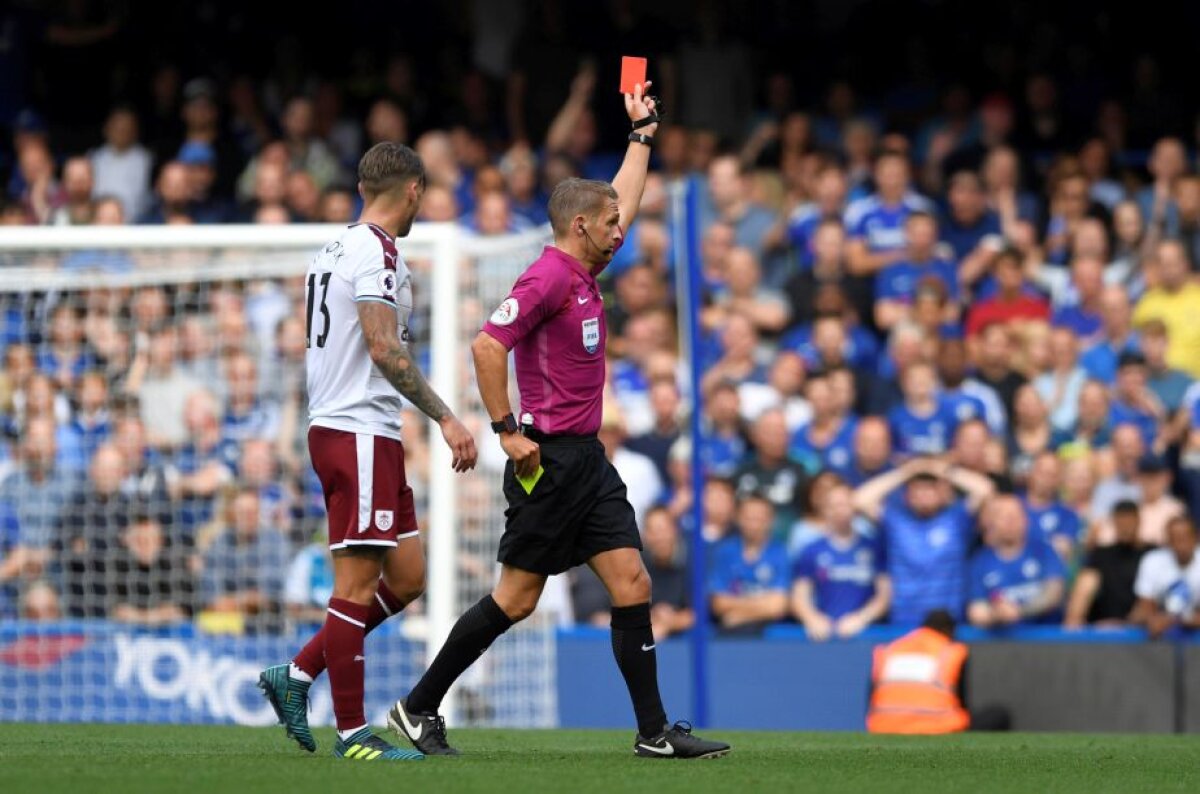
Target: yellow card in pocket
x,y
528,482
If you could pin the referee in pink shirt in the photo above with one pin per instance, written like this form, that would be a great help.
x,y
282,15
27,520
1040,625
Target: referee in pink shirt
x,y
569,505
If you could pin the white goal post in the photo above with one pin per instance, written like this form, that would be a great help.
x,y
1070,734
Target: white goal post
x,y
459,274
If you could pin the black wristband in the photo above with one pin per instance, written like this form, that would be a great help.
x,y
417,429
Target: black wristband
x,y
507,424
654,117
637,137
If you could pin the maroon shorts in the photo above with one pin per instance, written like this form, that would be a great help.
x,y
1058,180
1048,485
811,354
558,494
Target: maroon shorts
x,y
366,495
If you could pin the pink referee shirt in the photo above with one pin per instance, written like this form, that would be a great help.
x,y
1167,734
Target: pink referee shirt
x,y
554,321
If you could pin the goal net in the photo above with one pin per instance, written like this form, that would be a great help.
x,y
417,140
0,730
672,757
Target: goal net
x,y
161,528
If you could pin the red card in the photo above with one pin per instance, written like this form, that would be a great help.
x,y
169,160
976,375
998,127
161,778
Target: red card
x,y
633,72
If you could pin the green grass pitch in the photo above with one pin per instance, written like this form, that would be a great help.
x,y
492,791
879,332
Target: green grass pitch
x,y
94,759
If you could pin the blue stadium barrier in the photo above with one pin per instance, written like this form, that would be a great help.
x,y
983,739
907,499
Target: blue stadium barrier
x,y
98,672
780,681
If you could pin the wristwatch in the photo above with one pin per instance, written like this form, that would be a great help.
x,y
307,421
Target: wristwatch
x,y
508,424
637,137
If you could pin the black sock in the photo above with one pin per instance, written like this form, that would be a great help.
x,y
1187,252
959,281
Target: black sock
x,y
477,629
633,645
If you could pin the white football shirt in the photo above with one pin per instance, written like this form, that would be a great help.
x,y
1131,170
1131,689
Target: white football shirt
x,y
346,391
1161,579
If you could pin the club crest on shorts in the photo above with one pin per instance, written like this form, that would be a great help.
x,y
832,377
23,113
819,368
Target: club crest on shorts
x,y
383,519
506,312
591,335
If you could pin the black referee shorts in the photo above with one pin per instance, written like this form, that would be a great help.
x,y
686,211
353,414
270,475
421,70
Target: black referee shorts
x,y
577,510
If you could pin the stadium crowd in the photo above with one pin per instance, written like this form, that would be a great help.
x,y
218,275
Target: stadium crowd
x,y
950,357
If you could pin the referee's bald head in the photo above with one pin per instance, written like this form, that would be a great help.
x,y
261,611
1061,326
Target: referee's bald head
x,y
573,197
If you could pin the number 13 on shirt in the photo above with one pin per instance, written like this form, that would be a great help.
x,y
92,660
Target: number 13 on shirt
x,y
308,319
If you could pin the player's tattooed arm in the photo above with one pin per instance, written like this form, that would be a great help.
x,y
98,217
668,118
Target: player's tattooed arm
x,y
394,360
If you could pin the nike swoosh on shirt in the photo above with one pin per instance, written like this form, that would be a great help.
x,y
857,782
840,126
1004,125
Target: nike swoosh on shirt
x,y
581,300
666,749
648,647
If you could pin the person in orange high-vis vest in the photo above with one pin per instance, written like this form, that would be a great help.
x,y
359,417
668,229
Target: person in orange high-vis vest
x,y
918,683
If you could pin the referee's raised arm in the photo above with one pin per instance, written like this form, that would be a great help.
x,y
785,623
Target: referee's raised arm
x,y
631,178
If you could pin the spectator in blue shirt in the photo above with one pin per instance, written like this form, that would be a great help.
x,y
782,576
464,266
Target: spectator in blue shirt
x,y
246,415
172,197
38,492
876,223
720,507
722,445
13,558
90,426
1001,173
839,586
1050,519
199,160
1116,316
65,356
829,201
1096,160
1168,385
729,201
896,285
831,341
872,454
926,533
744,293
1093,425
973,398
1015,577
750,572
203,465
309,583
258,468
245,566
1133,402
739,356
828,440
519,167
968,221
1069,206
1168,162
43,399
493,215
924,423
1082,312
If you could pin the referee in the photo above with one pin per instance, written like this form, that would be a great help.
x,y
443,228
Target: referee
x,y
566,503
